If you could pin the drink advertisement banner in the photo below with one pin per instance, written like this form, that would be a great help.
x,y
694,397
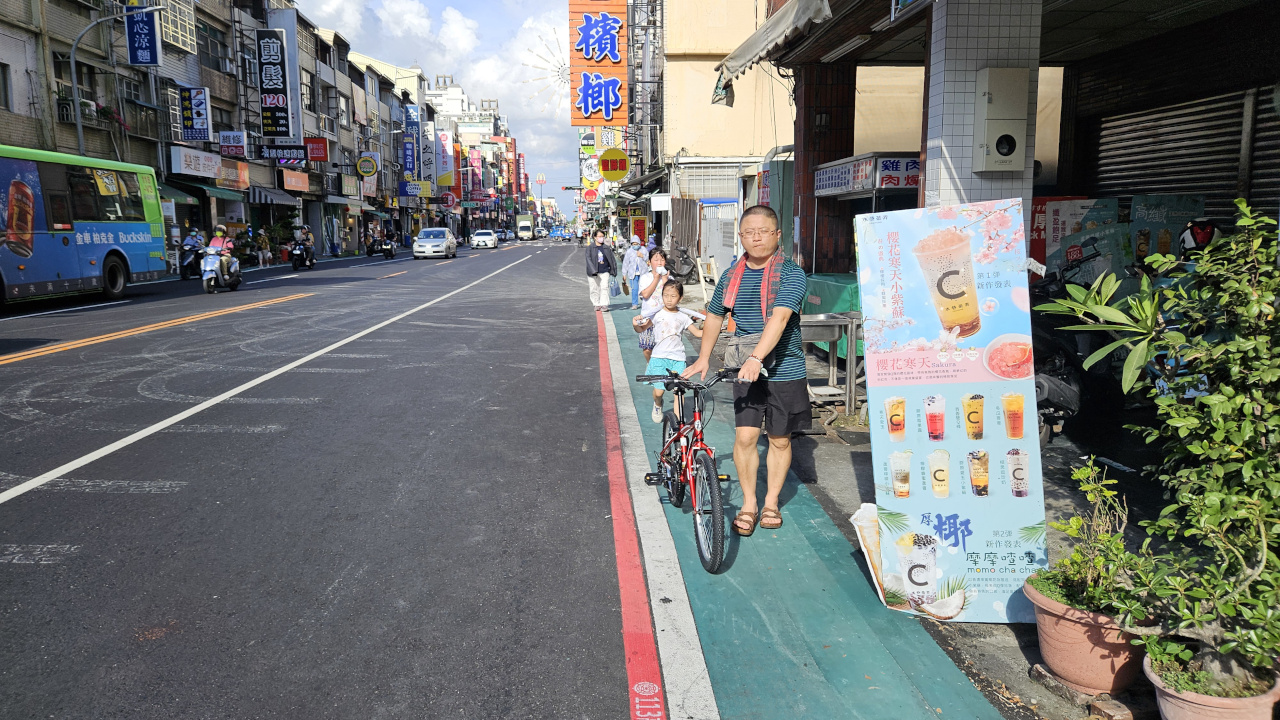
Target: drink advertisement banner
x,y
1066,217
444,158
958,521
1158,220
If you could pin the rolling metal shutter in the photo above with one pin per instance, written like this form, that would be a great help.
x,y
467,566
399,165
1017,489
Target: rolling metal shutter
x,y
1189,148
1264,193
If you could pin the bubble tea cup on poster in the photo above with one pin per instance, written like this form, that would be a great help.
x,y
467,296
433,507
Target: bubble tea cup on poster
x,y
1012,403
895,413
1018,463
900,470
935,416
972,405
979,472
947,262
939,473
918,563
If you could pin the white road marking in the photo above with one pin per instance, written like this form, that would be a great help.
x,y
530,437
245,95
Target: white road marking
x,y
684,669
35,554
282,277
125,442
381,262
116,487
55,312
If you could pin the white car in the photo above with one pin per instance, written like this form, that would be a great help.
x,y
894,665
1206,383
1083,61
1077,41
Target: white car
x,y
435,242
484,239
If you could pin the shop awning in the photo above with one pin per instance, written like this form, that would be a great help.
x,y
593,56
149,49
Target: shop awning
x,y
644,179
168,192
272,196
791,20
377,213
339,200
216,192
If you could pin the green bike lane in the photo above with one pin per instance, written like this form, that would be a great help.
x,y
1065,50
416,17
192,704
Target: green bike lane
x,y
791,626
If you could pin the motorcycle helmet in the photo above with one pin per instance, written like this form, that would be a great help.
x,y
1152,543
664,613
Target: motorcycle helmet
x,y
220,230
1197,235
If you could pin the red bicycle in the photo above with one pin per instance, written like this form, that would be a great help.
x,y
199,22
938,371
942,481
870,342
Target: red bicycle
x,y
687,463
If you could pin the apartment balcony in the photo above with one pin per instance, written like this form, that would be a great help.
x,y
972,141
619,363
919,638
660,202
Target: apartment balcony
x,y
88,114
220,84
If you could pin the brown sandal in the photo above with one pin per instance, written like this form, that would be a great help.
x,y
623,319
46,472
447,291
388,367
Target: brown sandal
x,y
769,515
751,519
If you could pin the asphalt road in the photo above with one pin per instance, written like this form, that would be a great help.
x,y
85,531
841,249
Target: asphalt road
x,y
412,525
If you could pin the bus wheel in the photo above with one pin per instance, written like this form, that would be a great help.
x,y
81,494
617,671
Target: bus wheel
x,y
114,278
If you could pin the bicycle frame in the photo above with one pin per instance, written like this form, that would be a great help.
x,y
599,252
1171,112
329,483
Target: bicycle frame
x,y
689,439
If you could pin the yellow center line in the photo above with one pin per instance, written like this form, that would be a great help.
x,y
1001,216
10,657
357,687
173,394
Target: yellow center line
x,y
384,277
446,262
74,344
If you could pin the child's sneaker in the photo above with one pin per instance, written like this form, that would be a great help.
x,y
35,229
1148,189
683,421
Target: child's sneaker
x,y
656,415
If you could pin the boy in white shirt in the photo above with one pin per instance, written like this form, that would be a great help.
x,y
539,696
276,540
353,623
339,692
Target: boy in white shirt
x,y
668,325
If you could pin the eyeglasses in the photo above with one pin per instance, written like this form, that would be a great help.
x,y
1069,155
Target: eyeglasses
x,y
748,234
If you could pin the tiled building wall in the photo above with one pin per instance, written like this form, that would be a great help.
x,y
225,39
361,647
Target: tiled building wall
x,y
969,35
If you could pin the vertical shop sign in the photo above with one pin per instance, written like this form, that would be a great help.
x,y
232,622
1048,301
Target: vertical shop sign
x,y
194,106
598,61
763,181
428,154
958,521
142,35
412,133
444,158
273,81
477,175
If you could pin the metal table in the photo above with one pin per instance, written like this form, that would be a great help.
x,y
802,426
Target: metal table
x,y
830,328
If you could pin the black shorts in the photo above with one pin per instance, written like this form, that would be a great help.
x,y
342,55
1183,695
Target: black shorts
x,y
783,405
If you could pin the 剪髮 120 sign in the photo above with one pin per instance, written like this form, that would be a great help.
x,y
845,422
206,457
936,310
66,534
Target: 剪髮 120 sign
x,y
598,61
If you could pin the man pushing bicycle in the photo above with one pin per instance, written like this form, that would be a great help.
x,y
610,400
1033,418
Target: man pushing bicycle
x,y
764,291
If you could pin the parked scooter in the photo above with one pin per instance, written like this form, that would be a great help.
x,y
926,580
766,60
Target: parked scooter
x,y
683,267
1064,387
213,273
302,255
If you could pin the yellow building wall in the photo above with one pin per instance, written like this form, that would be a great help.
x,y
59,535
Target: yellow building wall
x,y
710,27
762,116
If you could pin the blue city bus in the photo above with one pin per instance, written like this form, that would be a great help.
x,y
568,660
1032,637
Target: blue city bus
x,y
73,224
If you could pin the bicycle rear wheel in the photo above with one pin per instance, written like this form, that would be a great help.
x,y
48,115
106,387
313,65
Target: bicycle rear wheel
x,y
708,515
670,460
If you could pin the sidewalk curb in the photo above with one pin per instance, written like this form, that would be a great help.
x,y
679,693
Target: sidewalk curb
x,y
684,669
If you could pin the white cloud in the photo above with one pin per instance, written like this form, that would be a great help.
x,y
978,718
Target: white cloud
x,y
345,16
405,18
458,34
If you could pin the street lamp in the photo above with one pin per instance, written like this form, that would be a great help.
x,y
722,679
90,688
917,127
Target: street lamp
x,y
75,76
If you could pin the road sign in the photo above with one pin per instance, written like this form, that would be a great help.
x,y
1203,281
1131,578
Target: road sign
x,y
470,204
614,164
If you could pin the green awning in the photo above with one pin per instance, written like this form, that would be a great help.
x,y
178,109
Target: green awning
x,y
376,213
217,192
168,192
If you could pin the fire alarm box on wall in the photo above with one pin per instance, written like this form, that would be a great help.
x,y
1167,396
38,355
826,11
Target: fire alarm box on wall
x,y
1000,120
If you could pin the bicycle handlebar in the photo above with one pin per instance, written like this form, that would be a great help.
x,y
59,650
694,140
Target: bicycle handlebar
x,y
672,378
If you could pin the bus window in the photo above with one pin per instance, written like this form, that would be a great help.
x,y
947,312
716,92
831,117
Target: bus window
x,y
84,195
131,198
58,207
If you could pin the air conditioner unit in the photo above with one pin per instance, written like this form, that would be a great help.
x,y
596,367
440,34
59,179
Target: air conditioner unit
x,y
1000,120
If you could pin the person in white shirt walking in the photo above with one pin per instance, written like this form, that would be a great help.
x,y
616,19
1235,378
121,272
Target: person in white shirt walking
x,y
601,267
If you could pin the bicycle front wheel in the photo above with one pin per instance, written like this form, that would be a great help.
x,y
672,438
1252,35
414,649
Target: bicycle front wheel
x,y
708,515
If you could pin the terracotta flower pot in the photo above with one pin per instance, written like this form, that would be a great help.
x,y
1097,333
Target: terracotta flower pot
x,y
1087,651
1176,705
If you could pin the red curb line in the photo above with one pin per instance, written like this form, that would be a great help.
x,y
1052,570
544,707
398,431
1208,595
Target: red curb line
x,y
639,645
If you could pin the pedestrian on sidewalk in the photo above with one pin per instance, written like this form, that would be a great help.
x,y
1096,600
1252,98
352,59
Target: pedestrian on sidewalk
x,y
633,266
651,298
764,291
601,268
667,326
264,249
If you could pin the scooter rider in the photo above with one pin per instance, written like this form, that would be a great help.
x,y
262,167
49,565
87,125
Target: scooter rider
x,y
223,243
308,242
190,249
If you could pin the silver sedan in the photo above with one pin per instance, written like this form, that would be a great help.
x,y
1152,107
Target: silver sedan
x,y
435,242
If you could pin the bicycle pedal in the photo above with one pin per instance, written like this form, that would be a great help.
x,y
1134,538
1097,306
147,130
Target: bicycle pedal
x,y
723,478
653,478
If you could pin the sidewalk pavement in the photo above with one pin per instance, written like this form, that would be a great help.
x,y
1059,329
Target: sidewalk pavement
x,y
791,626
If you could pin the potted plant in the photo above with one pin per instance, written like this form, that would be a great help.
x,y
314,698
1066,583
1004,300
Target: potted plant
x,y
1082,645
1204,342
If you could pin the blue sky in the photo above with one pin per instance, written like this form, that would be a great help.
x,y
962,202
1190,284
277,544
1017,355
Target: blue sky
x,y
488,48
